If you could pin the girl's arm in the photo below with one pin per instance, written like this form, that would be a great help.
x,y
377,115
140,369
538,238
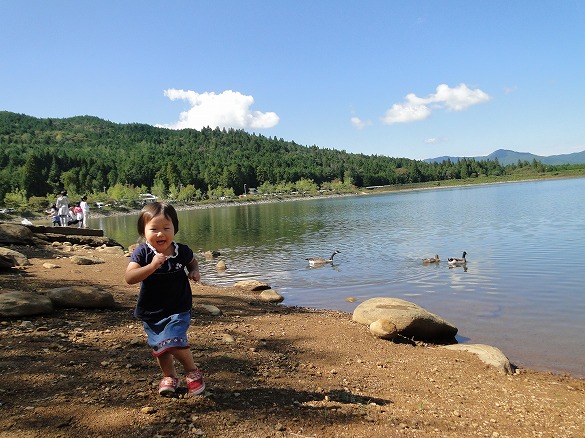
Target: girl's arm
x,y
136,273
193,268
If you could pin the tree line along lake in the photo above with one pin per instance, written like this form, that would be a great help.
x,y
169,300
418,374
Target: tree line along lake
x,y
521,291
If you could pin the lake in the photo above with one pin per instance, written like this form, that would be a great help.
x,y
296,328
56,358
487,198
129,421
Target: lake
x,y
522,290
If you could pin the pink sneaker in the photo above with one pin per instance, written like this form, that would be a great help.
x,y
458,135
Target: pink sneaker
x,y
195,383
168,386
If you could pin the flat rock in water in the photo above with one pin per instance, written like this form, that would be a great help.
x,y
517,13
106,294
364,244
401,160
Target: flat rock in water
x,y
209,255
411,320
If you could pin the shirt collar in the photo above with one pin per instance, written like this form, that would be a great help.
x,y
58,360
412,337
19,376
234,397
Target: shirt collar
x,y
168,257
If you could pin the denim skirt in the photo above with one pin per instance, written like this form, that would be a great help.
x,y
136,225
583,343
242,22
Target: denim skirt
x,y
168,333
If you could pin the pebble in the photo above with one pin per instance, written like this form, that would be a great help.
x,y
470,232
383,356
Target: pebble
x,y
213,310
148,410
228,339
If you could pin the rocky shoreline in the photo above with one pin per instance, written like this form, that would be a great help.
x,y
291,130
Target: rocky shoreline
x,y
271,370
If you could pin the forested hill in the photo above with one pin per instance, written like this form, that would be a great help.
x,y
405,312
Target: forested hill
x,y
86,154
505,157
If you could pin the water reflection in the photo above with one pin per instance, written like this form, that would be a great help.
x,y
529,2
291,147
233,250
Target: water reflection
x,y
504,296
464,267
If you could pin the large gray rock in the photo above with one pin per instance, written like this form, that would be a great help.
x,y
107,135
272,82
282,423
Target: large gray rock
x,y
15,234
492,356
81,297
271,296
11,259
17,303
93,241
79,260
252,285
411,320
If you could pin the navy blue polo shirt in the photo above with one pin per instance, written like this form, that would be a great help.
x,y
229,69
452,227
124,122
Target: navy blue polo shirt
x,y
167,290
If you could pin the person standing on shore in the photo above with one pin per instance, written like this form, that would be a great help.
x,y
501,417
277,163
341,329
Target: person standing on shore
x,y
54,214
78,215
85,209
62,205
165,299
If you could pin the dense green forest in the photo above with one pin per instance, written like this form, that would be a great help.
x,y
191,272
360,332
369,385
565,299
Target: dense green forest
x,y
88,155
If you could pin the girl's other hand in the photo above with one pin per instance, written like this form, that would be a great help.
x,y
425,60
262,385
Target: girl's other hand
x,y
194,275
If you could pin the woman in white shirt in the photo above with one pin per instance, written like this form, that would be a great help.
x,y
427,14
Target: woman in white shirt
x,y
85,209
62,205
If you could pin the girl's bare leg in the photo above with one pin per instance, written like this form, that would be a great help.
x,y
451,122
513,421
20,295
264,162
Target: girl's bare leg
x,y
185,358
166,362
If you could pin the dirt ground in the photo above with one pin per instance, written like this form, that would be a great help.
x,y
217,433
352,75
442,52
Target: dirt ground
x,y
271,371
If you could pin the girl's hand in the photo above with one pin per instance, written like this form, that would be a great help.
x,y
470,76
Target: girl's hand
x,y
158,260
194,275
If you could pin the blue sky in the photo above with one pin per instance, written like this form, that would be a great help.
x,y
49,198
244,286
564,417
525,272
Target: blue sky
x,y
415,79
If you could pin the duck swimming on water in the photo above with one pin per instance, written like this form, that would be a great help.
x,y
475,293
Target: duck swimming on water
x,y
317,261
454,261
434,259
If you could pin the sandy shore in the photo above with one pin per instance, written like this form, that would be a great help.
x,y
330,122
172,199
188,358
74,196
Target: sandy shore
x,y
271,371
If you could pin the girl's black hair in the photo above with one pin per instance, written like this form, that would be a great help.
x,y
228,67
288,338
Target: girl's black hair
x,y
153,209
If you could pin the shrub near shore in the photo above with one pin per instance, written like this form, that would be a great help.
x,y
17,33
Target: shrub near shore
x,y
36,212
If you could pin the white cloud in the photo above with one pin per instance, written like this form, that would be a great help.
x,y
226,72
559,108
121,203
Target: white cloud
x,y
435,140
229,109
460,97
416,108
406,112
359,123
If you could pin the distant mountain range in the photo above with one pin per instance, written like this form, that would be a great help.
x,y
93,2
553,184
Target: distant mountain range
x,y
506,157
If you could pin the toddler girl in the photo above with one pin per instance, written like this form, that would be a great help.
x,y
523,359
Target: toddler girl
x,y
164,301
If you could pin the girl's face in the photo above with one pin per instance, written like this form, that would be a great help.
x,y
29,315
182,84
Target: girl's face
x,y
159,232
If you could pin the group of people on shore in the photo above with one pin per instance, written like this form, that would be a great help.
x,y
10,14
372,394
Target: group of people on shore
x,y
63,215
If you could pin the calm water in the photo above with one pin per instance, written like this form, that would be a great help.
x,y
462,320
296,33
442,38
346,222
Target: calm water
x,y
522,291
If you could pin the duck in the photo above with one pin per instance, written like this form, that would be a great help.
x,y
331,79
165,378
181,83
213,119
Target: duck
x,y
316,261
432,259
454,261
